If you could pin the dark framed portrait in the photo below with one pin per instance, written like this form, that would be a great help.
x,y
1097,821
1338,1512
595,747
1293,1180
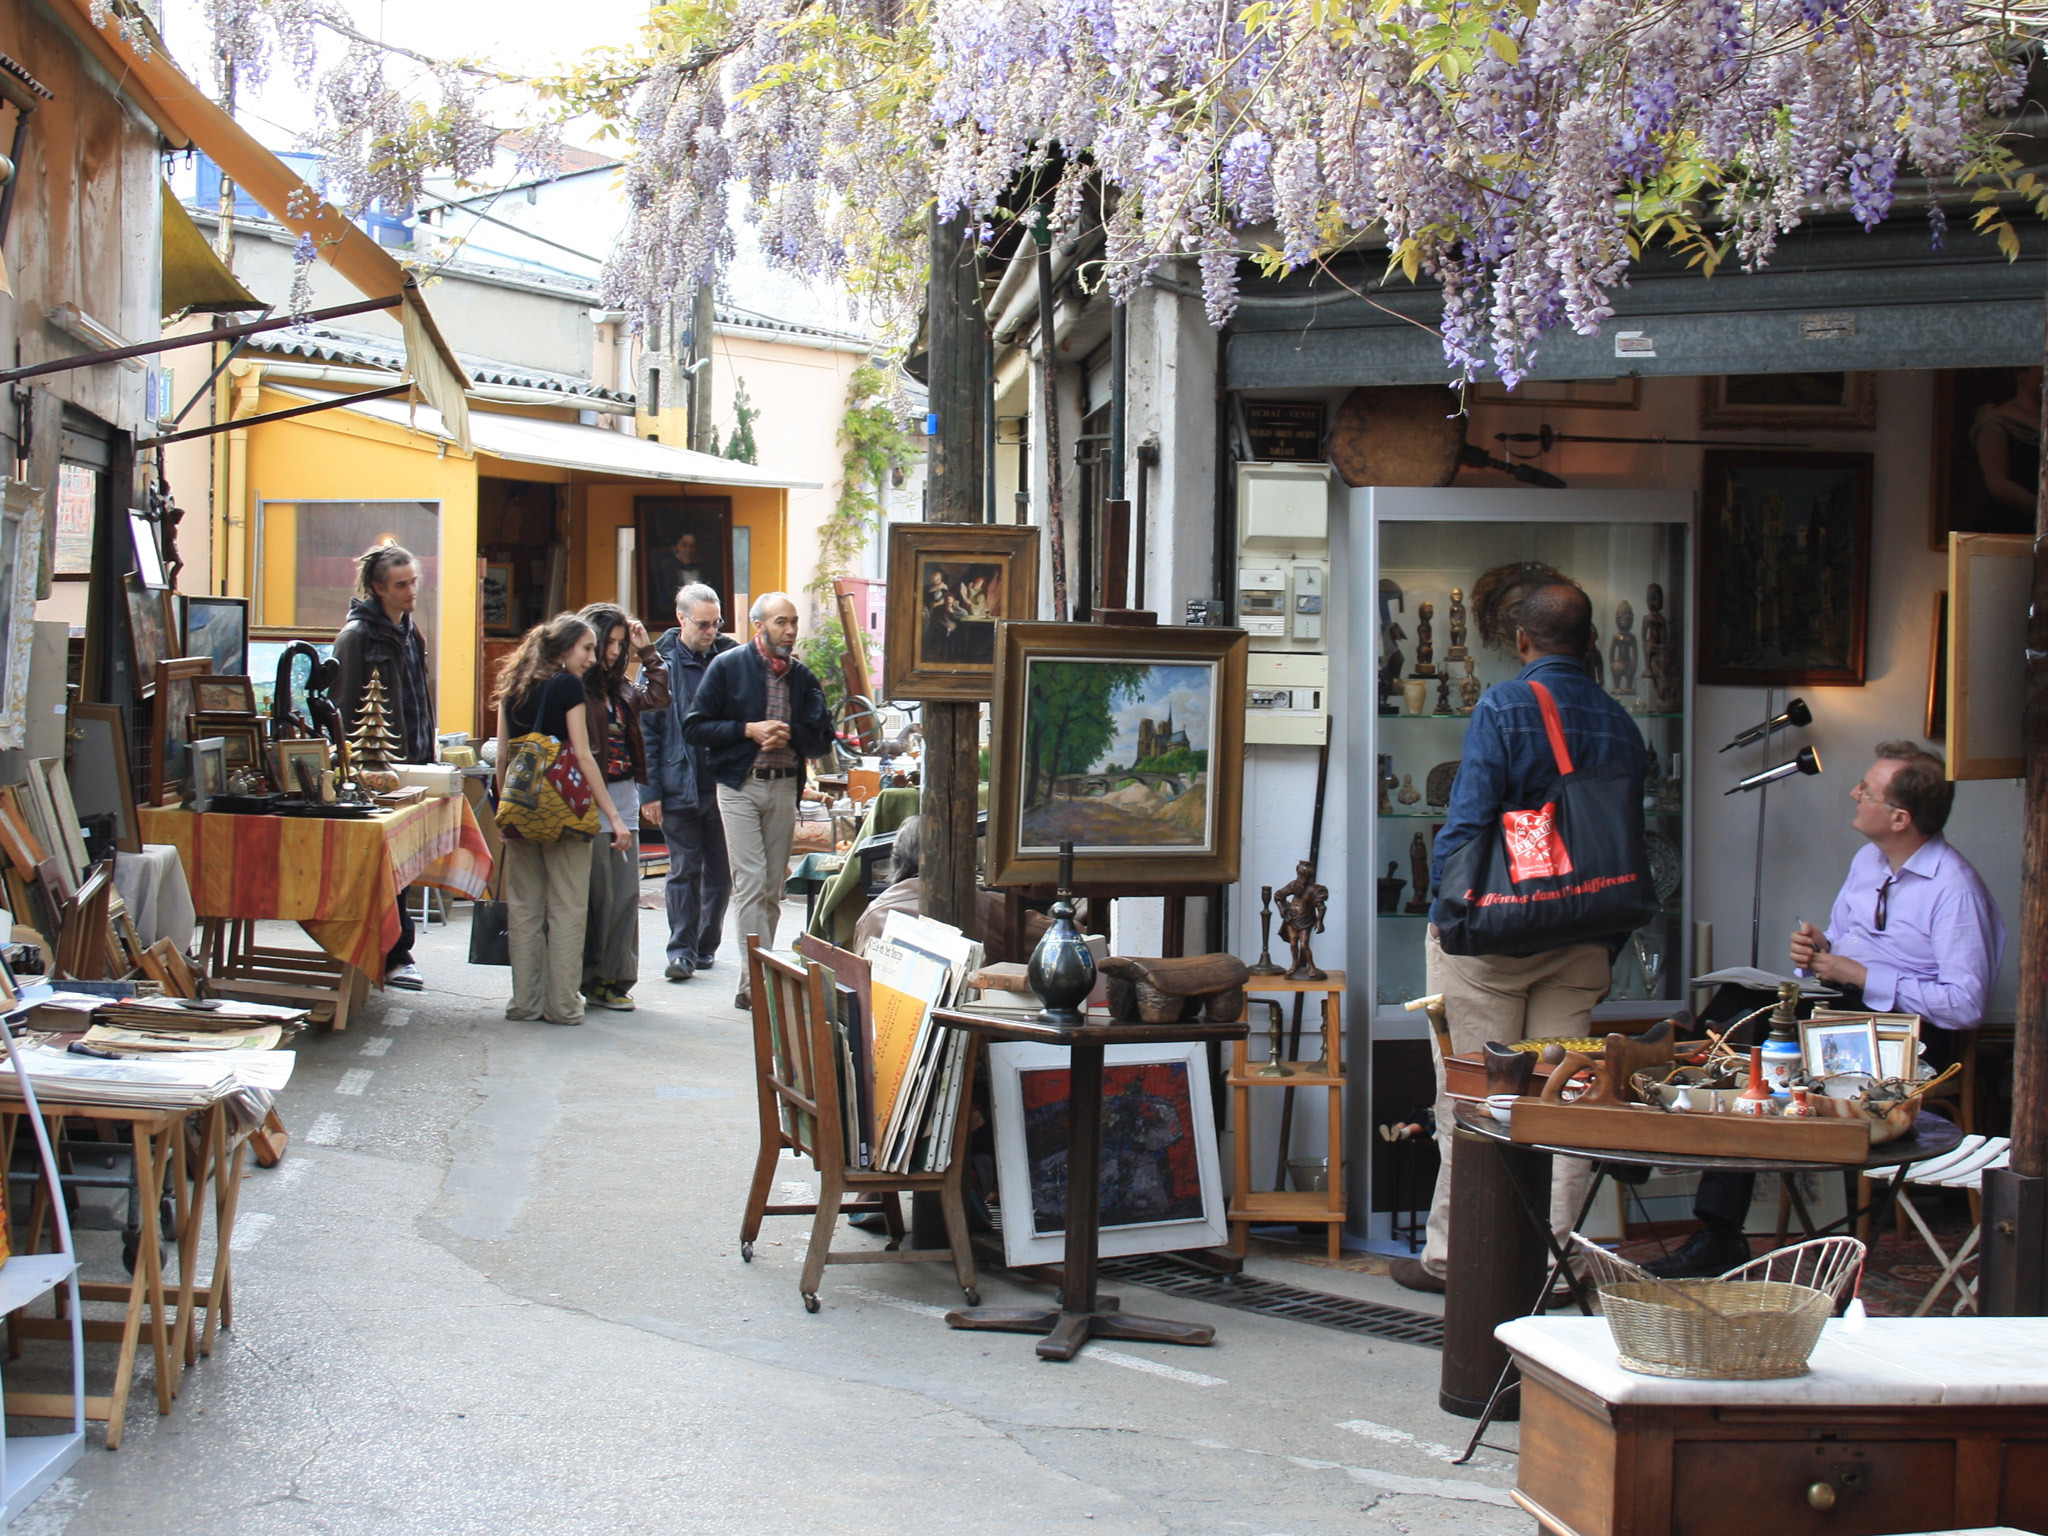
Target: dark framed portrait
x,y
1784,568
950,585
1128,743
678,540
1987,452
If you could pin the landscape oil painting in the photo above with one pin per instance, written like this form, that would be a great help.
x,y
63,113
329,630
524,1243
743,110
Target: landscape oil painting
x,y
1126,743
1116,755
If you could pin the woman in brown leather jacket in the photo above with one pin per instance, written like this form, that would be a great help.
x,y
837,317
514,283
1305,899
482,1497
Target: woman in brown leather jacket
x,y
611,943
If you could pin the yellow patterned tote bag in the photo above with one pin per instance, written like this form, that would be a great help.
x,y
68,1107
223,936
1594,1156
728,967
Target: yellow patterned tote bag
x,y
546,796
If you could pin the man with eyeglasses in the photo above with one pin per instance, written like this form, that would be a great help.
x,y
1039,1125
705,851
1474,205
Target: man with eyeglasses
x,y
684,799
1913,931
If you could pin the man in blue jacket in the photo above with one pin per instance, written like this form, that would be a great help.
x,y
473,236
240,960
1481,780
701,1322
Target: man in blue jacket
x,y
683,798
1508,764
759,713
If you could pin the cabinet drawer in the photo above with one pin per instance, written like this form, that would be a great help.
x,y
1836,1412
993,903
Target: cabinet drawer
x,y
2024,1501
1726,1488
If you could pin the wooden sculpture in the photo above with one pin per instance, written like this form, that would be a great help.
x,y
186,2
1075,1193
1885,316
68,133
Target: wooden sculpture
x,y
1148,991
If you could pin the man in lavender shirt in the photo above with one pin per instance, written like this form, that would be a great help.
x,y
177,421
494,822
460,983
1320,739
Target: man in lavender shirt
x,y
1913,931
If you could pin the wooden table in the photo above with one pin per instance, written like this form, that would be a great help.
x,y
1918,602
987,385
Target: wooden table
x,y
341,881
1496,1261
1900,1425
176,1338
1082,1313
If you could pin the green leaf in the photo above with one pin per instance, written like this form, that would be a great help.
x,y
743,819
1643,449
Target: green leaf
x,y
1509,50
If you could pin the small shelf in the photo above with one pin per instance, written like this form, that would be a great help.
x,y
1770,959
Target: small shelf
x,y
34,1462
1304,1077
1284,1205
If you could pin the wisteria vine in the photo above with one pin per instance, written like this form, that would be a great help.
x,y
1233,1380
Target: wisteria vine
x,y
1519,154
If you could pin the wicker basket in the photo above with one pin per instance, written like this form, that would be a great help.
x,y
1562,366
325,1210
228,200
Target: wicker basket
x,y
1715,1330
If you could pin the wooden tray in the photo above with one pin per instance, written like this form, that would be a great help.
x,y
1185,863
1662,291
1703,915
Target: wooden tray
x,y
1653,1130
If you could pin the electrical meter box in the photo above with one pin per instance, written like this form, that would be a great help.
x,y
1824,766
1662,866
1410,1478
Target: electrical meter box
x,y
1286,698
1283,506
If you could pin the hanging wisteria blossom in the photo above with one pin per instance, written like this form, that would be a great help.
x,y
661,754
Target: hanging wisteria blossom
x,y
1520,154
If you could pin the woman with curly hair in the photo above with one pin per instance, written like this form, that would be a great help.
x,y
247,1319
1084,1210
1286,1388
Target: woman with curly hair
x,y
547,885
611,941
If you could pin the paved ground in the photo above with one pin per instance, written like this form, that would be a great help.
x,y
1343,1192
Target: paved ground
x,y
495,1287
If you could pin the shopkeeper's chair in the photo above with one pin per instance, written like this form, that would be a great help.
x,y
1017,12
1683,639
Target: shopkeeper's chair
x,y
1964,1168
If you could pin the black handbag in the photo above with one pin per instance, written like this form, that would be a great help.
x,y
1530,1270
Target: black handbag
x,y
488,944
1573,870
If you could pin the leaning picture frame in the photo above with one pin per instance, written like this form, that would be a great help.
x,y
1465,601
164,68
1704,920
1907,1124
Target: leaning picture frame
x,y
243,734
1898,1037
313,751
218,627
99,770
1162,1181
950,584
150,629
175,701
1831,1047
1128,743
209,756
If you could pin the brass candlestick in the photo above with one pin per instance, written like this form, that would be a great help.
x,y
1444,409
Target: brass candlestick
x,y
1265,967
1273,1066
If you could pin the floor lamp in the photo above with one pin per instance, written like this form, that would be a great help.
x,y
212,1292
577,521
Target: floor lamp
x,y
1807,761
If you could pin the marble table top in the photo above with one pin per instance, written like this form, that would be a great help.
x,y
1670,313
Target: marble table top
x,y
1880,1361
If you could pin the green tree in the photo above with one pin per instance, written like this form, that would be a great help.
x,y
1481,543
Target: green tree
x,y
1179,760
822,653
741,444
1072,714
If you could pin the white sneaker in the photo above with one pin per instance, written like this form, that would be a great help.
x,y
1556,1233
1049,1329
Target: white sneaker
x,y
406,977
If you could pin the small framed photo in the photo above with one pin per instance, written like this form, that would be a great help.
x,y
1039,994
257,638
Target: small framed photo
x,y
290,755
243,734
496,599
1831,1047
209,771
224,695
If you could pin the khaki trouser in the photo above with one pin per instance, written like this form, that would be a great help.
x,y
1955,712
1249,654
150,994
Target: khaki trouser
x,y
760,826
547,897
611,941
1507,998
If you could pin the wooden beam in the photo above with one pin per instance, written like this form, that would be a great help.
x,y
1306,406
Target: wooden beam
x,y
958,347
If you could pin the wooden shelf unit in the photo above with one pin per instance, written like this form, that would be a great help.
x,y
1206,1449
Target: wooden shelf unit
x,y
1247,1205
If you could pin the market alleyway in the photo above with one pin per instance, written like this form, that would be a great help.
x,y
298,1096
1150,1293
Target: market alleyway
x,y
495,1287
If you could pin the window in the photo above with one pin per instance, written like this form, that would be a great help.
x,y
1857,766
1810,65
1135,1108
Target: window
x,y
306,557
78,498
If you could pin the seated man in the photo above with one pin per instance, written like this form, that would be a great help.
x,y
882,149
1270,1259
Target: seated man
x,y
1913,931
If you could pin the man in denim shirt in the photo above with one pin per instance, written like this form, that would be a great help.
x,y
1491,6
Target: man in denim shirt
x,y
1508,765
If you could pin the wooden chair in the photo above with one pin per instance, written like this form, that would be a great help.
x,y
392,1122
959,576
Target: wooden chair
x,y
795,1060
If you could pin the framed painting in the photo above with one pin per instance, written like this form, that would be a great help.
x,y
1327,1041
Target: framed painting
x,y
1789,402
267,648
1991,590
1128,743
1618,394
218,628
681,539
1986,469
1784,569
950,584
224,695
209,771
1831,1047
176,702
1162,1188
242,734
99,770
494,596
287,758
149,631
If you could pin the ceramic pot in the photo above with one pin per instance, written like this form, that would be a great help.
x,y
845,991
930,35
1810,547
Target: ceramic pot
x,y
1756,1095
1413,693
1062,968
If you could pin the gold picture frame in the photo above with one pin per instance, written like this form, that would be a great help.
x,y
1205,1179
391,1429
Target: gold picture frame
x,y
950,585
1128,742
1833,400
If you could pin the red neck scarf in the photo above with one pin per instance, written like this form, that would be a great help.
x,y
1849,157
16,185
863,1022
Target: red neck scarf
x,y
779,665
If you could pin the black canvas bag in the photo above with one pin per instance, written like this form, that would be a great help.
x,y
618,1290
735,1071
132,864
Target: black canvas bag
x,y
1572,870
488,942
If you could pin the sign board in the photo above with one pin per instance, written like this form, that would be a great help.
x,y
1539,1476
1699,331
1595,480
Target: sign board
x,y
1290,431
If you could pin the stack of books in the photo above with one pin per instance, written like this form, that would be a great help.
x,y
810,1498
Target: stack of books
x,y
900,1072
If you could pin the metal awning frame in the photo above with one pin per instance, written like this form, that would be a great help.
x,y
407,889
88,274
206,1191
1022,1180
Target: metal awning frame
x,y
203,338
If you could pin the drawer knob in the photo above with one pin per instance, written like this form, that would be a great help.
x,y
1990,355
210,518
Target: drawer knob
x,y
1821,1495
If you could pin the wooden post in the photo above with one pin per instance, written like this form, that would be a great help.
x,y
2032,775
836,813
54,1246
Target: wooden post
x,y
958,337
703,332
2015,1277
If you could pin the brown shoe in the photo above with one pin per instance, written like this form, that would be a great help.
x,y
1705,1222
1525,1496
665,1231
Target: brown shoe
x,y
745,1001
1412,1275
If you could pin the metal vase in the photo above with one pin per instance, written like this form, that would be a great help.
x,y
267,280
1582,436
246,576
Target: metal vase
x,y
1062,968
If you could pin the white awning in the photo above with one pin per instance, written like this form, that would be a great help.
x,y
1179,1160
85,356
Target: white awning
x,y
563,444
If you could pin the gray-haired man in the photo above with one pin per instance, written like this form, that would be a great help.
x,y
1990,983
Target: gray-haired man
x,y
684,798
759,712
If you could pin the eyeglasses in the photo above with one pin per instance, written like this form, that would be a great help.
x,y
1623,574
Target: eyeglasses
x,y
1862,792
1884,897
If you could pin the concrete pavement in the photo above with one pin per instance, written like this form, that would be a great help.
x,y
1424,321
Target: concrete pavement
x,y
495,1287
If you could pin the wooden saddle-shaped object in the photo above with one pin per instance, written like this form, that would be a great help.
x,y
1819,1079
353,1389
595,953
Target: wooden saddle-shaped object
x,y
1623,1057
1150,991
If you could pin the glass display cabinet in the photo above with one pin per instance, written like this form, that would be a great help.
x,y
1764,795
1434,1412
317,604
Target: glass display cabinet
x,y
1442,570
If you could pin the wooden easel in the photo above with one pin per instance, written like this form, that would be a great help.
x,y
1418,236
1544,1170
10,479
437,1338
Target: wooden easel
x,y
794,1060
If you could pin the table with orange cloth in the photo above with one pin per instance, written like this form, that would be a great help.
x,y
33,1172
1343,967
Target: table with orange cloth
x,y
339,880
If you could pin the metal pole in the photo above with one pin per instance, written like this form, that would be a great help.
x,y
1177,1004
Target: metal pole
x,y
1756,895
